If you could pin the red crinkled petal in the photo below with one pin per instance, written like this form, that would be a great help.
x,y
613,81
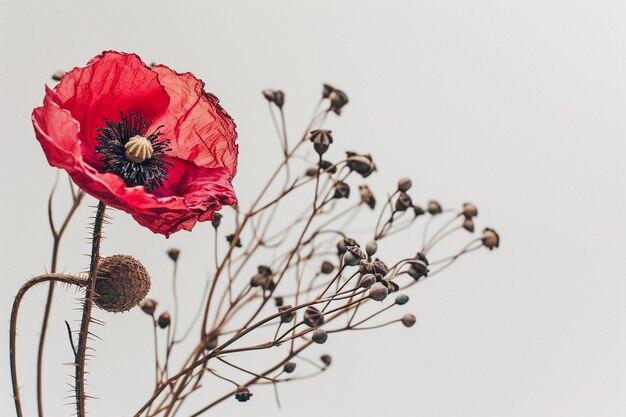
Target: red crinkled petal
x,y
58,133
199,129
111,83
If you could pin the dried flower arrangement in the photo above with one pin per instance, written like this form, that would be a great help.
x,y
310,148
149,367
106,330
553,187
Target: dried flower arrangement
x,y
151,142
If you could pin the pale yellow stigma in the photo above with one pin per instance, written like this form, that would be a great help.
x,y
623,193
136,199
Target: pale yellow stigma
x,y
138,149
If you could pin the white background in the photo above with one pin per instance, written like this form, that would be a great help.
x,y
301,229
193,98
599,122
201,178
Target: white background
x,y
517,106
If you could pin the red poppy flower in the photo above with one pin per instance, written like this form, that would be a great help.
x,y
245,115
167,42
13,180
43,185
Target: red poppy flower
x,y
146,140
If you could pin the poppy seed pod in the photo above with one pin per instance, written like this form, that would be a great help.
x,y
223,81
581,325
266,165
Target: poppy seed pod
x,y
371,247
338,99
490,239
313,317
286,317
367,197
121,283
242,394
173,253
361,164
320,336
312,172
327,268
341,247
468,224
419,267
148,306
469,210
408,320
230,239
402,299
368,280
327,166
351,259
322,140
378,292
418,210
434,207
289,367
326,359
278,301
342,190
327,89
403,202
404,184
217,219
275,96
164,320
211,341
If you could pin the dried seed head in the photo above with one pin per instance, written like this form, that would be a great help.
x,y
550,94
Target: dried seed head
x,y
311,172
342,190
326,359
327,166
173,253
289,367
379,267
403,202
418,210
313,317
217,219
341,247
338,99
230,239
367,197
371,247
469,210
242,394
321,140
434,207
402,299
278,301
211,341
264,270
148,306
58,75
122,282
164,320
327,90
404,184
361,164
138,149
320,336
275,96
353,256
408,320
327,268
490,239
368,280
419,267
468,224
378,292
286,317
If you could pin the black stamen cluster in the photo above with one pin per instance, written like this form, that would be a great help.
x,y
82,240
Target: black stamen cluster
x,y
112,139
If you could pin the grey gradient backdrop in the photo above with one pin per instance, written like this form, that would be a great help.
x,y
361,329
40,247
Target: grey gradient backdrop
x,y
518,106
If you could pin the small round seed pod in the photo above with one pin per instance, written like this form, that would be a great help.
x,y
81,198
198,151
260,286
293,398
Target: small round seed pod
x,y
342,190
419,267
404,184
313,317
312,172
275,96
403,202
371,247
361,164
148,306
121,283
327,268
402,299
469,210
368,280
338,99
367,197
322,140
326,359
418,210
320,336
217,220
378,292
408,320
164,320
286,317
278,301
289,367
490,239
173,253
242,394
211,342
434,207
351,259
468,224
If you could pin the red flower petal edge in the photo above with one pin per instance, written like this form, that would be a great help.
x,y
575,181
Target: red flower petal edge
x,y
83,124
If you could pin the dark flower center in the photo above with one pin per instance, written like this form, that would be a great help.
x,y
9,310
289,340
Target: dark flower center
x,y
127,150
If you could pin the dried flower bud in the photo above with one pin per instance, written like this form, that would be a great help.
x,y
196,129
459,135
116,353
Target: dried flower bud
x,y
327,90
289,367
217,219
58,75
122,282
338,99
342,190
378,292
434,207
408,320
264,270
351,259
326,359
419,267
148,306
490,238
361,164
341,247
367,197
469,210
321,140
368,280
230,239
402,299
320,336
313,317
468,224
371,247
258,280
404,184
286,317
275,96
327,166
164,320
278,301
312,172
403,202
327,268
211,341
418,210
173,253
242,394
